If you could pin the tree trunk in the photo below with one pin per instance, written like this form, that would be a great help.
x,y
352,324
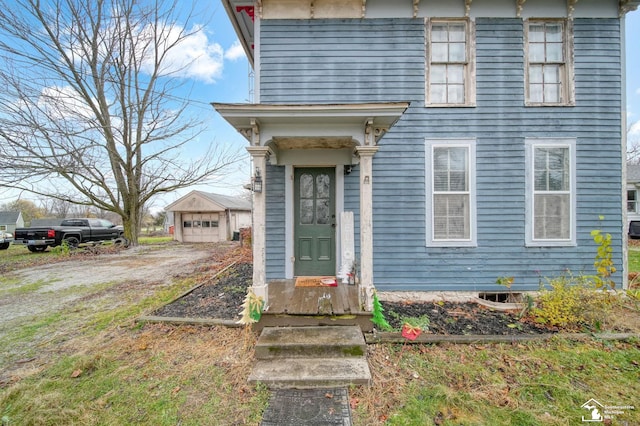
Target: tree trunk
x,y
131,222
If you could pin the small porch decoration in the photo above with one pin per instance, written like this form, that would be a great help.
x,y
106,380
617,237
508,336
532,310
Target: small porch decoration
x,y
251,308
410,332
378,318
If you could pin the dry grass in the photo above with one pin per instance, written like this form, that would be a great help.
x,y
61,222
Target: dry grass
x,y
156,375
498,384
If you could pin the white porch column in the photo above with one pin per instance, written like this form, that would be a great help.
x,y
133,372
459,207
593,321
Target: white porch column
x,y
366,154
259,155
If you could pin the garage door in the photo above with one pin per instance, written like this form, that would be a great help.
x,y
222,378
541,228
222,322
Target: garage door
x,y
200,227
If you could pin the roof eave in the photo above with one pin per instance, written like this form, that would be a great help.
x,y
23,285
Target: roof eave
x,y
244,33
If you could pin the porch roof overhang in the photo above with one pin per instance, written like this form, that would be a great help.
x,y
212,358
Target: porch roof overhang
x,y
312,126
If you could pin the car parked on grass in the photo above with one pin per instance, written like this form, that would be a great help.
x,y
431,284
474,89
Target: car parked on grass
x,y
5,240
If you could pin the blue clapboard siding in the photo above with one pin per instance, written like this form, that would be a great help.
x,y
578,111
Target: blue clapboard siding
x,y
378,60
275,233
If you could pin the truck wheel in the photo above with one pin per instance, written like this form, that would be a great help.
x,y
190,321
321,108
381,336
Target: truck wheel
x,y
35,249
72,242
4,246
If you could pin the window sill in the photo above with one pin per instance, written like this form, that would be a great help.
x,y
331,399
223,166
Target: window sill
x,y
452,244
564,104
562,243
470,105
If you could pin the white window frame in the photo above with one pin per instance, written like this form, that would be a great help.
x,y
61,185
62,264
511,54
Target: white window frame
x,y
469,64
567,89
530,145
430,146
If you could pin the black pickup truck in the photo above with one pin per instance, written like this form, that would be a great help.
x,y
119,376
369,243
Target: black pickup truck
x,y
72,231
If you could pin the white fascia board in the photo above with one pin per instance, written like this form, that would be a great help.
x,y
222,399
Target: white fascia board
x,y
241,115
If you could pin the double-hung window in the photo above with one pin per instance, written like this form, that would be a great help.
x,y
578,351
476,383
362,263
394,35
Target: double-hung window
x,y
450,192
551,192
450,62
548,63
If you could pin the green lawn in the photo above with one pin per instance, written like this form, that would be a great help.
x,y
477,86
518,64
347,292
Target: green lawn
x,y
633,261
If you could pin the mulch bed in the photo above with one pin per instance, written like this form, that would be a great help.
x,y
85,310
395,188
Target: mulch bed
x,y
219,298
222,298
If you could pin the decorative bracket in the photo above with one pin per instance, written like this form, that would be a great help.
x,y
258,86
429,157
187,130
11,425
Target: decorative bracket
x,y
627,6
519,6
369,137
259,5
571,8
364,8
252,134
372,134
467,7
415,8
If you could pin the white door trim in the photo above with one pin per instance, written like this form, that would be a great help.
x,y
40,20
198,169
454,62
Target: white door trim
x,y
288,203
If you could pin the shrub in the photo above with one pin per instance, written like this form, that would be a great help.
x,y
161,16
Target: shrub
x,y
573,302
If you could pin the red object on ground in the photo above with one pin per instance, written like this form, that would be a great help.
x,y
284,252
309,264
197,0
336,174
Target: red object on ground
x,y
410,332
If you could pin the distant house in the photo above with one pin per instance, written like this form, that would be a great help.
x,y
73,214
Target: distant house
x,y
633,187
201,217
9,221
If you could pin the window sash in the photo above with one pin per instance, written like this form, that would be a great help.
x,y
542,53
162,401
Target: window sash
x,y
551,189
450,186
547,69
448,72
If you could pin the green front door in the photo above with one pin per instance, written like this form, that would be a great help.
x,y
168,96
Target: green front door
x,y
315,221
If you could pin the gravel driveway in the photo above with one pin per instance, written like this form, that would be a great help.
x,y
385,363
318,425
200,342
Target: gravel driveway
x,y
46,288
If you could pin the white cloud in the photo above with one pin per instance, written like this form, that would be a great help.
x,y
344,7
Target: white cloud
x,y
235,52
195,56
638,91
62,102
635,129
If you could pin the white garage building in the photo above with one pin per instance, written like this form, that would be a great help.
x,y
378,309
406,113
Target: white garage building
x,y
202,217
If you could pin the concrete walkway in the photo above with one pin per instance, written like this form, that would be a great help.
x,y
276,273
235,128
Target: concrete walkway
x,y
308,407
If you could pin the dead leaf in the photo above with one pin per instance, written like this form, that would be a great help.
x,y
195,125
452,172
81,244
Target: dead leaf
x,y
354,402
175,390
328,395
76,373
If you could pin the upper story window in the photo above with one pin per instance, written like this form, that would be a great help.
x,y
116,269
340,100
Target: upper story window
x,y
551,166
548,63
450,62
451,193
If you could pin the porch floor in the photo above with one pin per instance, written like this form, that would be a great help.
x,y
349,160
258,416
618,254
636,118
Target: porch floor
x,y
286,298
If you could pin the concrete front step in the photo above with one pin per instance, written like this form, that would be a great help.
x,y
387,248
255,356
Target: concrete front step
x,y
311,373
309,342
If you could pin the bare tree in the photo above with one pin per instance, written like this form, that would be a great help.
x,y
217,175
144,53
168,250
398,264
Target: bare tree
x,y
88,106
633,143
